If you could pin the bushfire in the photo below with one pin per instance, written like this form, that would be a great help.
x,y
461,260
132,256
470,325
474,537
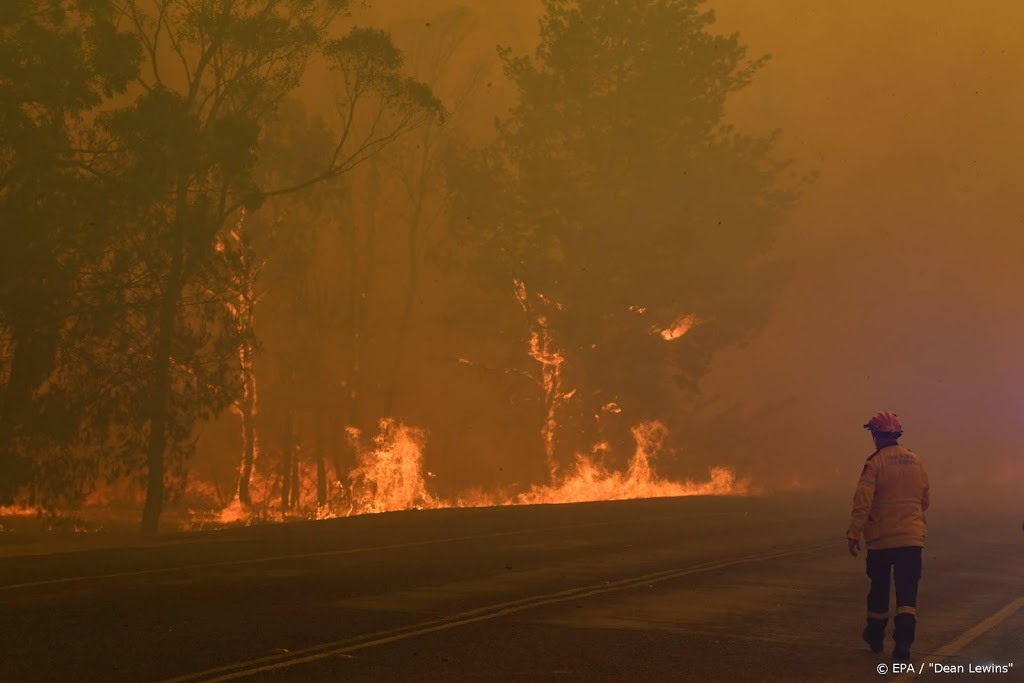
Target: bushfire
x,y
390,473
391,476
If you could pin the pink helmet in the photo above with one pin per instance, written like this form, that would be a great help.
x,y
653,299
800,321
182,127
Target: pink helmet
x,y
885,423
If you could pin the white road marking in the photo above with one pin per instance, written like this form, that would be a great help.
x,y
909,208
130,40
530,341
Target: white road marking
x,y
964,639
362,642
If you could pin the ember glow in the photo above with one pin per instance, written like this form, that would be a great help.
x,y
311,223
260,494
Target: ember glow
x,y
589,481
678,328
17,511
391,476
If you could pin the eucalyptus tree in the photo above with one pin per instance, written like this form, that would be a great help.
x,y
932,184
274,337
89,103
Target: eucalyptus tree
x,y
188,151
635,219
59,61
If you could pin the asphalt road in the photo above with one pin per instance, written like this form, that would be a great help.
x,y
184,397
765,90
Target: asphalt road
x,y
691,589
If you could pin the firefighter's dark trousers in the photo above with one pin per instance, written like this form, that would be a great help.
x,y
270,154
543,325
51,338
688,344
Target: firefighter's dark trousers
x,y
903,565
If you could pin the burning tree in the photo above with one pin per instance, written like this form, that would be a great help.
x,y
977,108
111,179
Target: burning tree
x,y
188,149
338,324
320,278
636,216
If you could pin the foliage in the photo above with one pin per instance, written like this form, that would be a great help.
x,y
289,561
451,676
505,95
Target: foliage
x,y
58,60
144,122
618,191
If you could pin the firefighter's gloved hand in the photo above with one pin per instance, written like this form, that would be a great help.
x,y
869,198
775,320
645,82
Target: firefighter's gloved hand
x,y
854,545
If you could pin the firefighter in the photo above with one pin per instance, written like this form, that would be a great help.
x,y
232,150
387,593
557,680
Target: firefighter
x,y
888,508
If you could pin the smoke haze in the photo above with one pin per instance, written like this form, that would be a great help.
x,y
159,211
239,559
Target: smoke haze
x,y
906,294
901,126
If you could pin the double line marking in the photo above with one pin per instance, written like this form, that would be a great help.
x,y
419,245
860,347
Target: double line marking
x,y
343,647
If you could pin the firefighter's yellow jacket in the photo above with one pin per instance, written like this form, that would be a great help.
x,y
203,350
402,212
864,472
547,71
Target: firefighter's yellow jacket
x,y
891,499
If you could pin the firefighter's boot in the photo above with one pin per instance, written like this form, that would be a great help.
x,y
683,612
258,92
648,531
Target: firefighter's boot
x,y
904,626
874,633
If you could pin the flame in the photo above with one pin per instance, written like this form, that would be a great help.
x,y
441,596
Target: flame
x,y
678,328
390,475
265,486
234,512
542,350
18,511
590,481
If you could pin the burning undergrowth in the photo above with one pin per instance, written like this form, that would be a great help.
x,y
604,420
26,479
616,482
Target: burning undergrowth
x,y
391,475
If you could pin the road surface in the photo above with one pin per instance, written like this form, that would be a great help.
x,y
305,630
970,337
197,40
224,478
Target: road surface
x,y
685,589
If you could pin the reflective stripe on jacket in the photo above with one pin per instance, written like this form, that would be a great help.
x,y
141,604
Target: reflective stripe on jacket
x,y
891,499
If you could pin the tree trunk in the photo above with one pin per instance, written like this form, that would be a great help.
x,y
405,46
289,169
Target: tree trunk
x,y
338,460
33,357
293,501
159,400
12,474
321,469
287,453
321,482
158,403
245,316
248,458
247,411
286,478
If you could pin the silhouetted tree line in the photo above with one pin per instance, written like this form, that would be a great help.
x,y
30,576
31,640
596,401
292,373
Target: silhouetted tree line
x,y
181,238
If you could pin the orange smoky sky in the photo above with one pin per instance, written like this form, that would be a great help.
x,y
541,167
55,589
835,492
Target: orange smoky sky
x,y
907,248
907,293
